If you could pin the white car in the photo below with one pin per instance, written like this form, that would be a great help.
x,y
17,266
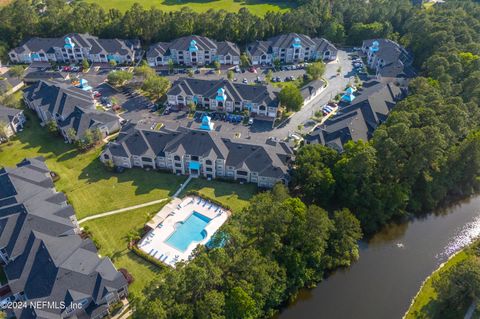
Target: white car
x,y
250,121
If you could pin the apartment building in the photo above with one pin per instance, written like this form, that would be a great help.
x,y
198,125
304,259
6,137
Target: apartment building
x,y
42,254
69,107
388,58
193,50
201,153
291,48
74,48
12,121
261,101
359,119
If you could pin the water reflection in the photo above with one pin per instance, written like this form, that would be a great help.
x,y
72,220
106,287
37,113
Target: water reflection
x,y
463,237
392,266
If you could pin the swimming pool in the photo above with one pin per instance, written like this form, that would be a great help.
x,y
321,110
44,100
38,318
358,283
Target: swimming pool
x,y
191,230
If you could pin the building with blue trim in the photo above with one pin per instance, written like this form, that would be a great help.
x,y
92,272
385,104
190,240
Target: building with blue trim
x,y
74,48
291,48
201,153
260,101
193,50
388,59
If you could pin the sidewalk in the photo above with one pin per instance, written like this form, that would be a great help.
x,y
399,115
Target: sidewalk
x,y
117,211
126,209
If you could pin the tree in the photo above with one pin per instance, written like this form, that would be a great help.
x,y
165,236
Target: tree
x,y
239,305
244,60
3,130
217,65
342,246
144,71
156,86
71,134
269,75
112,62
118,78
97,135
17,71
313,176
460,285
316,70
88,138
291,98
85,65
230,75
52,126
170,66
191,107
277,63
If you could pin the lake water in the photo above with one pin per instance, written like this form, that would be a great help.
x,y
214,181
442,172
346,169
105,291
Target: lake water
x,y
391,268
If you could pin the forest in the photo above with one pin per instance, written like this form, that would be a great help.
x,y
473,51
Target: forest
x,y
425,154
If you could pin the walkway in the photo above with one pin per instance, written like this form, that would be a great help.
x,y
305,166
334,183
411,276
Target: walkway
x,y
126,209
470,311
182,186
118,211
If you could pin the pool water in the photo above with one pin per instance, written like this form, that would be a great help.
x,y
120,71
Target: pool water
x,y
191,230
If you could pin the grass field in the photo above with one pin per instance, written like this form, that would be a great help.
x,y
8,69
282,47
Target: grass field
x,y
234,195
425,305
257,7
111,233
90,188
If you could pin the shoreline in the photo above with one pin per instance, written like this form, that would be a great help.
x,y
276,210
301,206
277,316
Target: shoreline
x,y
436,271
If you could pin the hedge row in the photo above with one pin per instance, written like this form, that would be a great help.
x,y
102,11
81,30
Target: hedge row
x,y
216,202
147,257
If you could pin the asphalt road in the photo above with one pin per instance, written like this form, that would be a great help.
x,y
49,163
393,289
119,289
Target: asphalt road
x,y
336,84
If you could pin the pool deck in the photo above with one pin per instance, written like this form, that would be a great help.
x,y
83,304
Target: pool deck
x,y
166,220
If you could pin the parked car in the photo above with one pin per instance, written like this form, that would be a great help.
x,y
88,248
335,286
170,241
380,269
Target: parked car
x,y
250,121
237,69
253,70
67,68
96,94
245,81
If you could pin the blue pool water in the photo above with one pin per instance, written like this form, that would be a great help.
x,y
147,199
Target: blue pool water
x,y
191,230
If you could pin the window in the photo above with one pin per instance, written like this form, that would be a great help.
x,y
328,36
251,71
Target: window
x,y
146,159
208,162
194,158
178,165
208,169
243,173
176,157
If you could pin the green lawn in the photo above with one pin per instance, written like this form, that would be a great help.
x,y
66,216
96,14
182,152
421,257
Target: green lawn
x,y
257,7
425,305
235,195
90,188
110,232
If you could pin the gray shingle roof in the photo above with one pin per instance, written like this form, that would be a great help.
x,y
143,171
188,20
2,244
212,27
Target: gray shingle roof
x,y
183,44
285,41
96,45
51,262
76,106
261,94
7,114
358,120
268,159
